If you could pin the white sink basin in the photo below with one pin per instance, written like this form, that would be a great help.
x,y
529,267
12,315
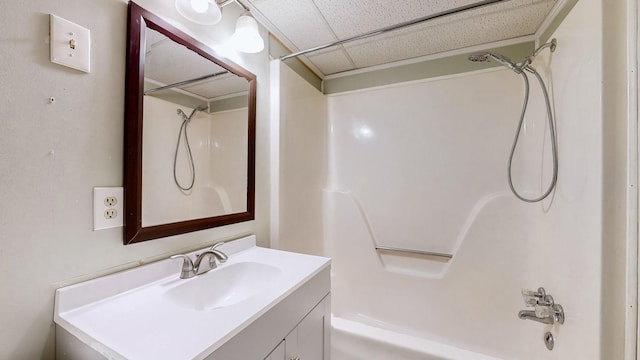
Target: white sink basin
x,y
226,286
148,312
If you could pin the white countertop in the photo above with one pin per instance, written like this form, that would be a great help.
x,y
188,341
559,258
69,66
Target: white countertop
x,y
128,315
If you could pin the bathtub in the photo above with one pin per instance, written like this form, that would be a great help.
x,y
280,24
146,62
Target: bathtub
x,y
352,340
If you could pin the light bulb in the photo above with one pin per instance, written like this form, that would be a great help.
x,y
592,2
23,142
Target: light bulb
x,y
246,37
200,6
203,12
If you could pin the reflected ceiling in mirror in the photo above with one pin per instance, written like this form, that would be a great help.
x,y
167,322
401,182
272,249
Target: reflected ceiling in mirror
x,y
189,134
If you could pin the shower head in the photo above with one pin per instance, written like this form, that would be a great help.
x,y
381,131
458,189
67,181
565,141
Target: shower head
x,y
501,59
484,57
187,118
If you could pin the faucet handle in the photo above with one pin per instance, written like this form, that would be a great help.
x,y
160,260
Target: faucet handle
x,y
543,311
222,257
187,265
554,312
532,298
217,245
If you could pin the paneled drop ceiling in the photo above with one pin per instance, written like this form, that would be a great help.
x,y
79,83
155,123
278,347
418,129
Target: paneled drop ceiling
x,y
303,24
168,63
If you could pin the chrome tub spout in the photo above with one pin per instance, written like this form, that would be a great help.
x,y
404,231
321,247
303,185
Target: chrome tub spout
x,y
531,315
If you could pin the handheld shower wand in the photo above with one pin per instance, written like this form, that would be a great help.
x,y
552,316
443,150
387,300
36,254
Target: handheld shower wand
x,y
188,118
519,69
183,129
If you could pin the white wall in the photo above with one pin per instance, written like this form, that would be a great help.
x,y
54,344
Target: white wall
x,y
52,155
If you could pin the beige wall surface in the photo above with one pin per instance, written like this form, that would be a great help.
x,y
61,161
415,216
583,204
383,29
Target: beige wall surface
x,y
52,155
303,131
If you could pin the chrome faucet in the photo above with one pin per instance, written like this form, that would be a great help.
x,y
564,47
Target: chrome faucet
x,y
192,268
545,311
222,257
531,315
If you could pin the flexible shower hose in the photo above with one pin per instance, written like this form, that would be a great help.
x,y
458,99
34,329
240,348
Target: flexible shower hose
x,y
552,133
183,129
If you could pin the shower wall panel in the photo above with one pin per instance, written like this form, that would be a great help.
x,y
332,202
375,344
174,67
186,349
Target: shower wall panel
x,y
423,166
216,140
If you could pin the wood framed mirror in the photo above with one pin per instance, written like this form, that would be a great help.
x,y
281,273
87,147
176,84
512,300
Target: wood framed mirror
x,y
189,142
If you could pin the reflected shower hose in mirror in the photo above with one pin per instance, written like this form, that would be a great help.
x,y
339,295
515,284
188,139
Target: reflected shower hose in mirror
x,y
520,69
183,129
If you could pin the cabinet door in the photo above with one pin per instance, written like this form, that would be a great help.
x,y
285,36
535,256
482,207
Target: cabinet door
x,y
277,353
309,339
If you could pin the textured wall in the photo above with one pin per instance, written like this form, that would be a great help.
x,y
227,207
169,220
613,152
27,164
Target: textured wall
x,y
52,155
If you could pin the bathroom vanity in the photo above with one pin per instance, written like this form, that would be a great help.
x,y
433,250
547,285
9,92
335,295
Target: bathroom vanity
x,y
260,304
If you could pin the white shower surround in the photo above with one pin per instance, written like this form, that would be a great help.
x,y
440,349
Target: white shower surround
x,y
218,143
462,126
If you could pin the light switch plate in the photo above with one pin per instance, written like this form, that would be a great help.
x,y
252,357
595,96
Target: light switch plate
x,y
70,44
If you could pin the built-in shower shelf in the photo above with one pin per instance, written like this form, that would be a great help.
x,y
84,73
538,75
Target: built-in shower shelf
x,y
412,251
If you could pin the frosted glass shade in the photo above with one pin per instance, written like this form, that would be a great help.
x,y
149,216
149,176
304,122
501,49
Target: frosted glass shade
x,y
203,12
246,38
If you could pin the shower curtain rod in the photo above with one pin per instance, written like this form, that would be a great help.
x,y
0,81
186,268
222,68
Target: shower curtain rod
x,y
396,26
185,82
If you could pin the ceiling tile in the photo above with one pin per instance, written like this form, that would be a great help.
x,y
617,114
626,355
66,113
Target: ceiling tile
x,y
333,61
350,18
169,62
440,36
299,21
222,86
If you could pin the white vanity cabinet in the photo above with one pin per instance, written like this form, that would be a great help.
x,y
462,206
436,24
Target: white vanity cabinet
x,y
310,339
299,324
278,353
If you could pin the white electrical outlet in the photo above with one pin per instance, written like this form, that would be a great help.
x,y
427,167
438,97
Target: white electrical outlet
x,y
110,201
110,214
107,207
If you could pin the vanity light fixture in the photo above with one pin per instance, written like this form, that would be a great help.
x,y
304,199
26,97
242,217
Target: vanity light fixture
x,y
246,38
203,12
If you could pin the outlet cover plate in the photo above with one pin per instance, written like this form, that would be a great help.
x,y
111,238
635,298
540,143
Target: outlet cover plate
x,y
70,44
103,212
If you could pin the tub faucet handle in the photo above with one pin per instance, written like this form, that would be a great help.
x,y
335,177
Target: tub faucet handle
x,y
553,311
532,298
545,309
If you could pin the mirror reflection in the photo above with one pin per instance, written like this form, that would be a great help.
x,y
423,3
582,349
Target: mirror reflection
x,y
194,136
